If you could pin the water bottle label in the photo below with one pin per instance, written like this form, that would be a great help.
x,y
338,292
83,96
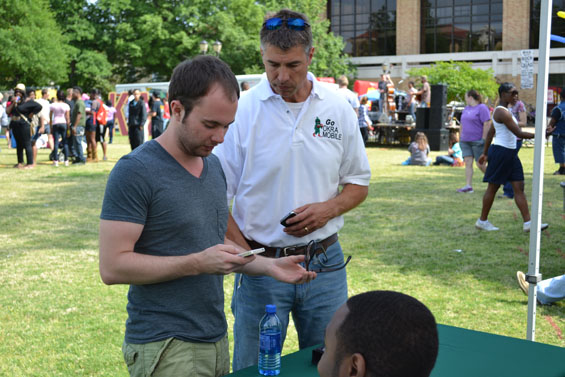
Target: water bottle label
x,y
270,343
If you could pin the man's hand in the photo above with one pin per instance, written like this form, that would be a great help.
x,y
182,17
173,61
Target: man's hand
x,y
288,270
221,260
74,131
309,218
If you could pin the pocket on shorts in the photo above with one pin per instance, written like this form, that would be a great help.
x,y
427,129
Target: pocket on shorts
x,y
130,355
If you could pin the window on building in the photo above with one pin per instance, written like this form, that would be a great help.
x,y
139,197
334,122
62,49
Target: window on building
x,y
461,26
368,27
557,23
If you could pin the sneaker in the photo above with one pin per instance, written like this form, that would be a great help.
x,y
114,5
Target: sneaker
x,y
466,189
105,158
527,226
67,163
56,163
485,225
524,285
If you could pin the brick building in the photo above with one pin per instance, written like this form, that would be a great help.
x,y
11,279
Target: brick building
x,y
403,34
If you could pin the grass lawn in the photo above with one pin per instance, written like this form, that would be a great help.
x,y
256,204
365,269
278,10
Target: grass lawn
x,y
413,234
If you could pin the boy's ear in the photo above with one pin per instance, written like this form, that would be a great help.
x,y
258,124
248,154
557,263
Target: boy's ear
x,y
354,365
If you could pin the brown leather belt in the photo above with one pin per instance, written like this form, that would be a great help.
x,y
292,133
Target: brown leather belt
x,y
271,252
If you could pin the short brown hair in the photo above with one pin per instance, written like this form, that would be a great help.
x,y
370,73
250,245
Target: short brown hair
x,y
285,38
192,80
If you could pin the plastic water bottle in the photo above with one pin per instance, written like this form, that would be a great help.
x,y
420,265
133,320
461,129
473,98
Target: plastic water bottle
x,y
270,342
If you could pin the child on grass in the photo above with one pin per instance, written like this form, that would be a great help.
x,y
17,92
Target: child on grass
x,y
419,150
455,156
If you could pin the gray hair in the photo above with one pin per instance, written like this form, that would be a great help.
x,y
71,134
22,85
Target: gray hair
x,y
285,38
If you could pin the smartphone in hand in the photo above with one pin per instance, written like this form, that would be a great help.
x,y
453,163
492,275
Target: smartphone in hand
x,y
289,215
249,253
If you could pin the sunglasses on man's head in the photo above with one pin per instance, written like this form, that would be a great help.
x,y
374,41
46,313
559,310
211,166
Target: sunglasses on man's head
x,y
291,23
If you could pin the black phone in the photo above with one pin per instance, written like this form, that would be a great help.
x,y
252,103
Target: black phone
x,y
287,216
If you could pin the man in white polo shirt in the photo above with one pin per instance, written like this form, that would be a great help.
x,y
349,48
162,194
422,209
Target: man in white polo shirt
x,y
291,147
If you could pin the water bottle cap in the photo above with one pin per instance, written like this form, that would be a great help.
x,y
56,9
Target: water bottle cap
x,y
271,309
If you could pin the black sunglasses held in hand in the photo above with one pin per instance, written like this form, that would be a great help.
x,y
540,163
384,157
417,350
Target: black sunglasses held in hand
x,y
291,23
311,254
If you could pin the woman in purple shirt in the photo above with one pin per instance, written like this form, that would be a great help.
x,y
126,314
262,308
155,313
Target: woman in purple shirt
x,y
475,120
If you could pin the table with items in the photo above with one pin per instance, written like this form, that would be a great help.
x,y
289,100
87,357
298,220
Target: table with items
x,y
462,353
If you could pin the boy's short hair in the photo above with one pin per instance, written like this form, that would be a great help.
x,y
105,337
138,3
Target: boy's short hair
x,y
395,333
192,80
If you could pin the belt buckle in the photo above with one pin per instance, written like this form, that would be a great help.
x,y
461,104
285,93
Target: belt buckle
x,y
288,248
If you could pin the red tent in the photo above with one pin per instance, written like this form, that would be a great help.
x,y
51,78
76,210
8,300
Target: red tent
x,y
361,87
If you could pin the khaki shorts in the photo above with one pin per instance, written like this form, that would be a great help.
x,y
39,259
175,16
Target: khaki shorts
x,y
174,357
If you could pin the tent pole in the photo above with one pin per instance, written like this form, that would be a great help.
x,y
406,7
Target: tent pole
x,y
533,275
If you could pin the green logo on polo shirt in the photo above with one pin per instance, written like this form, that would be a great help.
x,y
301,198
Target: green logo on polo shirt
x,y
317,127
330,129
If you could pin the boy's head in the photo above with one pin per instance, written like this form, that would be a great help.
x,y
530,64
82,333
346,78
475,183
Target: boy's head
x,y
380,334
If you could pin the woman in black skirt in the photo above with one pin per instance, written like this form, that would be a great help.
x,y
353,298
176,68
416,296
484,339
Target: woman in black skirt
x,y
503,162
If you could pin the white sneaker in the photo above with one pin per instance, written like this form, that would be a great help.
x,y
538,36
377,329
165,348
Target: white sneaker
x,y
67,163
485,225
56,163
527,226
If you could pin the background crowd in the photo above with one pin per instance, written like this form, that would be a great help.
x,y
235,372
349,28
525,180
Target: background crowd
x,y
73,124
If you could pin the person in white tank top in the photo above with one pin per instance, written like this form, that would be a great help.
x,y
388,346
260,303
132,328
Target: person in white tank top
x,y
503,162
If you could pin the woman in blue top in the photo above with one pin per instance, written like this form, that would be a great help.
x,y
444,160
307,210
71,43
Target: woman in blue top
x,y
503,162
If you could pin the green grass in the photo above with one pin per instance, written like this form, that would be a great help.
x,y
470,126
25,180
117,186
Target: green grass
x,y
58,319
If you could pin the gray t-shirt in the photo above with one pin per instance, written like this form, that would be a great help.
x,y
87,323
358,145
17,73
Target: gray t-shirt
x,y
418,156
181,215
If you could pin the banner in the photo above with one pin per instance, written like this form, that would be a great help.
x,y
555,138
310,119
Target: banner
x,y
527,66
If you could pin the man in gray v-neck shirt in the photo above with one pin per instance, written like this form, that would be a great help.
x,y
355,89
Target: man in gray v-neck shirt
x,y
162,231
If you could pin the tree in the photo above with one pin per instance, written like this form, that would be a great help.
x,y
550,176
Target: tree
x,y
33,47
146,39
460,77
88,65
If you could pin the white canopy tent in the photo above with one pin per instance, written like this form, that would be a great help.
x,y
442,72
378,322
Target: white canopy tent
x,y
533,276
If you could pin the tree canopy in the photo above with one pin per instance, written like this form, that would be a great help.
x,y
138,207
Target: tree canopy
x,y
460,77
33,47
100,43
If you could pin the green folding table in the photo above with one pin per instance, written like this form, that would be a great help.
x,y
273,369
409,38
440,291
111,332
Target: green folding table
x,y
462,353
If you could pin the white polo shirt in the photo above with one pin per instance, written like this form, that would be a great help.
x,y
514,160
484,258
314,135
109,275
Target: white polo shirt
x,y
350,97
275,162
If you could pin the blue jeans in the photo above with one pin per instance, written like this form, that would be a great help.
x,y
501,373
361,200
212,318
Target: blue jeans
x,y
448,160
60,130
77,147
551,290
312,306
412,110
507,188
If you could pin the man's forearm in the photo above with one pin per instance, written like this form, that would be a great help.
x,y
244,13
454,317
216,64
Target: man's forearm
x,y
77,120
350,197
140,269
234,234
